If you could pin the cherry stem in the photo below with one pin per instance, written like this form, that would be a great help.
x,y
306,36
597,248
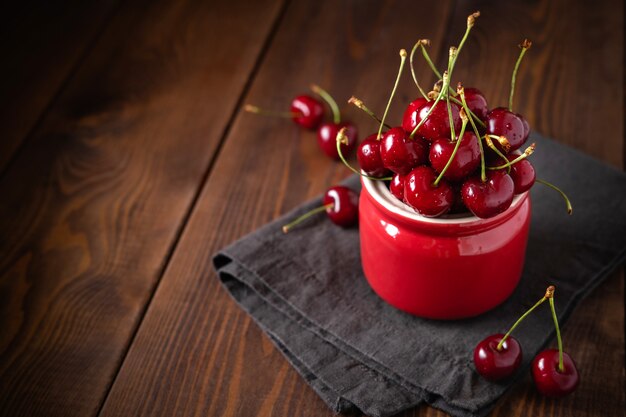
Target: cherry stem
x,y
451,57
525,45
418,43
257,110
456,148
558,335
342,139
471,19
305,216
500,154
359,104
529,151
502,140
557,189
328,99
483,176
393,92
548,294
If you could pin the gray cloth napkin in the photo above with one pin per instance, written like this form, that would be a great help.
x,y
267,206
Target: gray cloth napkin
x,y
306,290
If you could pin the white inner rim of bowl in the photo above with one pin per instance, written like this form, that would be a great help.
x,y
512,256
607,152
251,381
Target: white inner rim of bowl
x,y
380,192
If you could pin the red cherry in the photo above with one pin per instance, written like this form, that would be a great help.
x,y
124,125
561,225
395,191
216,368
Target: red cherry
x,y
368,155
397,186
487,199
494,364
522,173
345,205
428,199
437,125
341,205
476,102
400,153
327,138
410,118
310,109
502,122
465,161
526,126
549,380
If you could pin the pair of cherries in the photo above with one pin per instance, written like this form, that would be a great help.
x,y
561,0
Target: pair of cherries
x,y
554,372
308,112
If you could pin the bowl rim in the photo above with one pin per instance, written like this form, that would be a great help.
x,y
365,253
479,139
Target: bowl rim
x,y
379,192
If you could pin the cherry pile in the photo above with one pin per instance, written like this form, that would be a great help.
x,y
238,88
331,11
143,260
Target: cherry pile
x,y
451,153
554,372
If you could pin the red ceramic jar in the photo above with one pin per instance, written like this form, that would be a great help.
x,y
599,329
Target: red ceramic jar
x,y
440,268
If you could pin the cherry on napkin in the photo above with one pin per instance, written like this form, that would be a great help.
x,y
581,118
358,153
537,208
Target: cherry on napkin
x,y
307,291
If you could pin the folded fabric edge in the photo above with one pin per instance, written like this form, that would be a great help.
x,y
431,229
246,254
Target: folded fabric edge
x,y
351,398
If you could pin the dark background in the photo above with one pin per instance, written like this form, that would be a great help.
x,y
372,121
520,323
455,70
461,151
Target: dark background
x,y
126,161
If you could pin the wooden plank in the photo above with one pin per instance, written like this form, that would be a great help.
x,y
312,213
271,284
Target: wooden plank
x,y
196,340
95,201
42,42
196,353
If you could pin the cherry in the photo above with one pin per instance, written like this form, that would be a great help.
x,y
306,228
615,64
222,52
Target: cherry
x,y
526,126
310,109
438,124
465,161
327,132
502,122
396,186
306,111
549,380
410,118
428,199
368,155
476,102
341,205
400,153
327,138
495,363
487,199
522,173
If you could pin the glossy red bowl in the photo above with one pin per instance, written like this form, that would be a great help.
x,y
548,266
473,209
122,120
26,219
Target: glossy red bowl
x,y
440,268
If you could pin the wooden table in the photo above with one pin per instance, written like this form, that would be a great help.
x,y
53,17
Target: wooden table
x,y
126,161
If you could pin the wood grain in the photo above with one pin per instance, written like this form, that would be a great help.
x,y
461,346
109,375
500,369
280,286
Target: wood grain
x,y
43,43
93,204
194,337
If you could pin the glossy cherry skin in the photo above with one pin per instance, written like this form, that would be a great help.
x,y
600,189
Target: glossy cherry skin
x,y
437,125
548,379
465,161
400,153
522,173
345,205
311,110
494,364
327,138
502,122
368,155
427,199
526,126
411,114
487,199
476,102
396,186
